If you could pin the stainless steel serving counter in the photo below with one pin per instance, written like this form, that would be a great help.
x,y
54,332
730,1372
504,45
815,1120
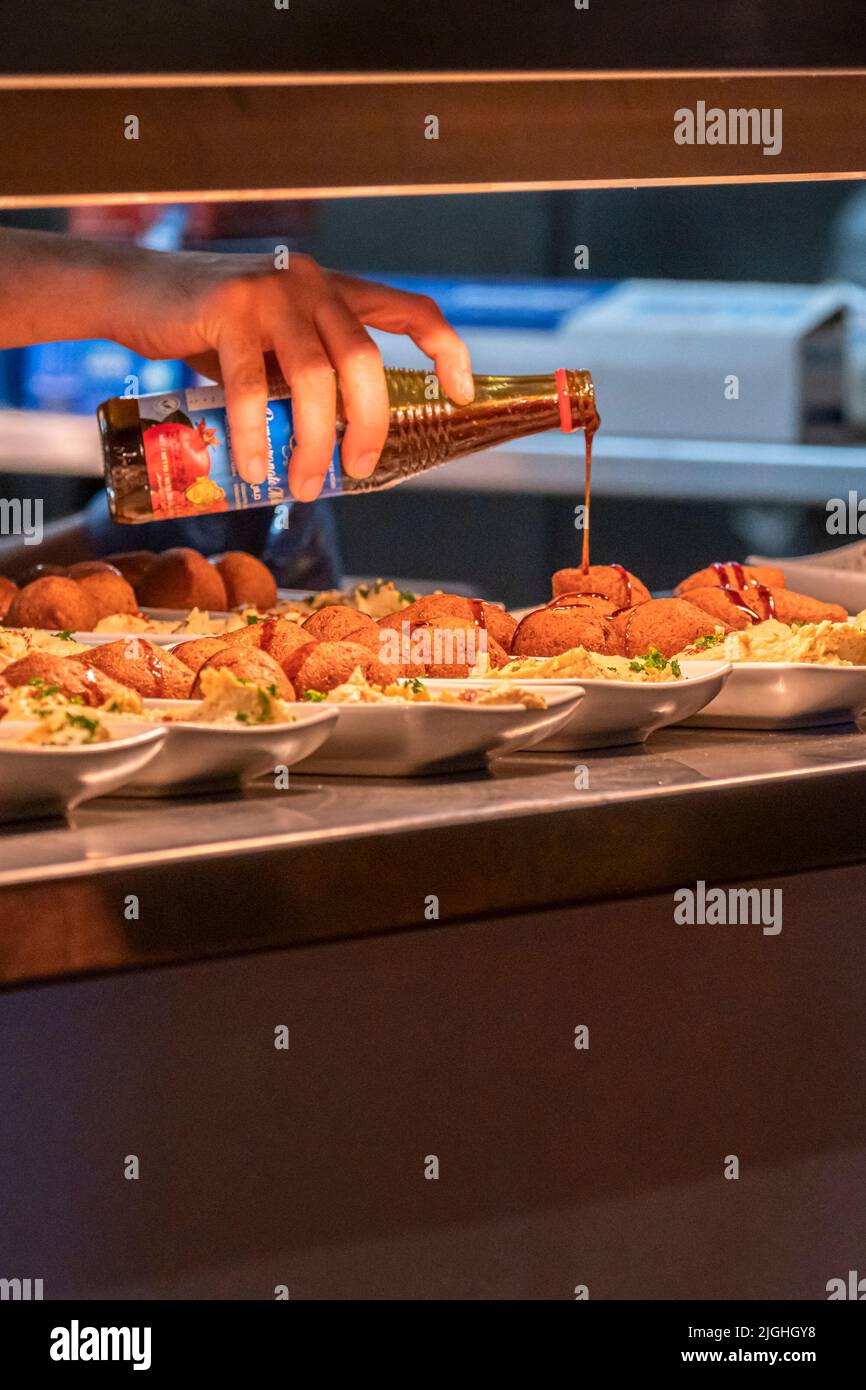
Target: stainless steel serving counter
x,y
131,883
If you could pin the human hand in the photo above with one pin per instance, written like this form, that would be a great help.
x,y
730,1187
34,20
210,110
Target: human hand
x,y
223,313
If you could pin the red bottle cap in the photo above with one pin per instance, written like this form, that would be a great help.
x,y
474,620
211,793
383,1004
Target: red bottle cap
x,y
560,376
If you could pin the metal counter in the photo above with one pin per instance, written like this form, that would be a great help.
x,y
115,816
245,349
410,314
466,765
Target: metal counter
x,y
340,857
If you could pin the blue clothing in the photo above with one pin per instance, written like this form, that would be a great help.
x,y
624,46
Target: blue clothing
x,y
303,556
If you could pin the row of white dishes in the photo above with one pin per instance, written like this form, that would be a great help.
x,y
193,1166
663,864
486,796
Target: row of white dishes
x,y
408,738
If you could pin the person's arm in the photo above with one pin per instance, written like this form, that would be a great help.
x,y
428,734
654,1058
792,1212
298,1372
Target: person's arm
x,y
222,313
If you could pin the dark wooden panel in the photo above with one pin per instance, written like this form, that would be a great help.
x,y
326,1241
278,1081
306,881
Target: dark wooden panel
x,y
557,1166
308,138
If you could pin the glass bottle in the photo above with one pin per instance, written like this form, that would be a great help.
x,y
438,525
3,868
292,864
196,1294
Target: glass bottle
x,y
170,455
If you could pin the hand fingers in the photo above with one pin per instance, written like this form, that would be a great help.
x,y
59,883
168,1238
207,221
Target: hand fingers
x,y
243,373
305,366
398,311
362,384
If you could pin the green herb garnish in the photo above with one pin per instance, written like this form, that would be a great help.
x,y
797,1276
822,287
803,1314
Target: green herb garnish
x,y
81,721
65,635
253,618
654,661
314,696
413,684
242,718
711,639
406,596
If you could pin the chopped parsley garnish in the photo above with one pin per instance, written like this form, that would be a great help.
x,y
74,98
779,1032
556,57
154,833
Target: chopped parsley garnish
x,y
654,661
406,596
81,721
314,696
711,639
272,690
414,684
36,681
309,600
242,718
253,618
65,635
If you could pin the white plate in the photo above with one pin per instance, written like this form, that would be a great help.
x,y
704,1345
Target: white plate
x,y
199,756
618,712
49,781
407,740
784,695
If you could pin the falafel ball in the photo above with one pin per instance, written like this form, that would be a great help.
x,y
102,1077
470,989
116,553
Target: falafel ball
x,y
668,624
247,581
336,621
329,664
450,647
107,588
55,603
75,678
248,664
551,631
500,624
154,672
182,578
791,607
733,608
732,576
610,581
194,654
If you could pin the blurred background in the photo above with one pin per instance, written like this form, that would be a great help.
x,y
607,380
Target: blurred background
x,y
678,481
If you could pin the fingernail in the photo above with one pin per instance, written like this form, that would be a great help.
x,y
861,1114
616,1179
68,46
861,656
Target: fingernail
x,y
310,488
465,386
257,468
363,466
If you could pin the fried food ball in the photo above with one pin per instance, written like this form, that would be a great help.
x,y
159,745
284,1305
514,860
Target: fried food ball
x,y
182,578
54,602
668,624
195,653
154,672
449,647
608,581
791,607
550,631
282,640
247,581
739,608
733,576
248,664
329,664
8,590
393,653
336,621
133,564
74,678
498,623
107,588
733,608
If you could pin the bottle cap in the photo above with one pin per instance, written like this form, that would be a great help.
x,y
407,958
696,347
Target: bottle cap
x,y
560,376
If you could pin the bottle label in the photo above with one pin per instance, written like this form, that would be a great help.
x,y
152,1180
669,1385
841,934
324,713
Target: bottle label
x,y
188,452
